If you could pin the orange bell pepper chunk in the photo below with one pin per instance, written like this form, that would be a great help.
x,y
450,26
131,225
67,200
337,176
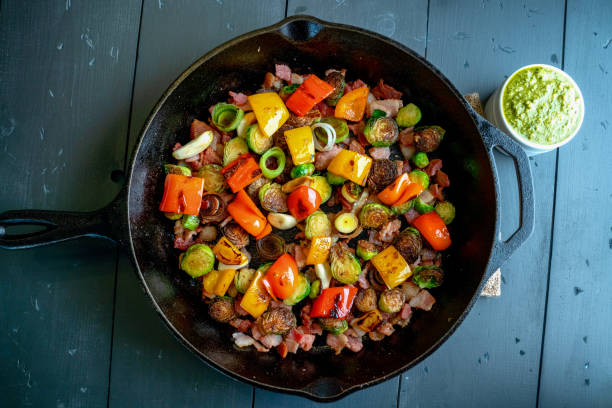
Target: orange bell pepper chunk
x,y
241,172
412,190
394,191
312,91
267,229
246,218
434,230
352,105
182,194
244,197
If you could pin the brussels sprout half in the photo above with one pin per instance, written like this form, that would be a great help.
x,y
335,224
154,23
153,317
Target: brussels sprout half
x,y
317,225
381,132
213,179
345,267
446,211
374,215
428,276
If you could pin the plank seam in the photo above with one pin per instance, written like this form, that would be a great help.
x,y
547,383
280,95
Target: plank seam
x,y
427,29
552,233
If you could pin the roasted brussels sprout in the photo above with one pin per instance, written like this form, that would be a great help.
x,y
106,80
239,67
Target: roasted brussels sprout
x,y
350,191
391,301
301,170
320,184
253,188
420,160
213,180
366,250
233,149
381,132
243,278
333,325
174,169
421,206
198,260
236,234
258,142
428,138
409,243
365,300
318,225
313,116
374,215
277,321
428,276
419,176
382,173
335,79
446,211
272,198
222,309
402,208
334,179
408,115
315,289
345,267
302,289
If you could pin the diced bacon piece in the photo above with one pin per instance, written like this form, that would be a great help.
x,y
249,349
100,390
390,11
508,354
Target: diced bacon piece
x,y
271,340
350,86
325,109
423,300
383,91
385,328
337,342
363,278
176,146
374,237
242,340
410,290
271,81
390,230
411,215
239,310
282,349
389,106
433,167
322,159
357,128
257,334
442,179
380,152
283,72
355,146
406,312
376,336
406,136
306,341
260,348
297,79
436,191
197,128
240,100
316,329
354,343
300,256
242,325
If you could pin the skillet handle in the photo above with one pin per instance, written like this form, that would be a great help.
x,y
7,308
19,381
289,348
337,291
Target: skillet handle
x,y
493,137
107,222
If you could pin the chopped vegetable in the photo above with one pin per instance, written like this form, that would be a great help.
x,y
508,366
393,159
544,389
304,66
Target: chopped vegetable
x,y
334,302
217,282
287,91
301,170
345,268
246,214
366,300
273,153
420,177
403,208
272,198
335,79
340,127
174,169
433,229
351,165
173,216
213,208
421,206
282,221
243,279
198,260
271,247
333,325
302,289
420,160
248,119
256,299
377,113
391,301
213,179
351,106
281,277
428,138
409,244
291,186
257,141
366,250
190,222
319,250
350,192
428,276
303,202
334,180
195,146
182,194
446,211
315,289
300,144
320,184
391,266
369,321
394,191
317,225
323,272
374,215
408,115
241,172
277,321
327,132
226,117
233,149
223,266
346,223
412,190
312,91
381,132
270,111
222,309
227,253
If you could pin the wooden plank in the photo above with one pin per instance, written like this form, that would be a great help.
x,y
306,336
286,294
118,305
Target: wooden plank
x,y
173,35
66,73
496,351
405,22
577,363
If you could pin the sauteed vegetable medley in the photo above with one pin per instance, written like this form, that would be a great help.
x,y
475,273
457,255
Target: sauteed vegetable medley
x,y
310,159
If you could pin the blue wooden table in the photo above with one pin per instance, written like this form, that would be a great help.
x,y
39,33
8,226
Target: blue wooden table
x,y
77,79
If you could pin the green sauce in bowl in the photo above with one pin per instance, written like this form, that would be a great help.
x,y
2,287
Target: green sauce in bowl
x,y
542,105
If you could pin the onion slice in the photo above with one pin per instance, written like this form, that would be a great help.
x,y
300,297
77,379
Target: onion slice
x,y
331,136
196,146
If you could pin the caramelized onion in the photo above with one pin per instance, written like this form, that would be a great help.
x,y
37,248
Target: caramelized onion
x,y
213,209
271,247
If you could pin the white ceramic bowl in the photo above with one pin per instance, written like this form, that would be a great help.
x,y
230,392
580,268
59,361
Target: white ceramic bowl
x,y
494,114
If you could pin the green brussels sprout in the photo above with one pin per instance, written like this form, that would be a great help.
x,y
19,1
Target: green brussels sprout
x,y
366,250
288,90
408,115
190,222
420,160
174,169
409,244
345,267
391,301
402,208
334,179
374,215
277,321
419,176
243,279
315,289
213,179
377,113
333,325
198,260
428,276
301,170
272,198
222,309
428,138
365,301
421,206
339,125
320,184
335,79
446,211
317,225
381,132
302,289
233,149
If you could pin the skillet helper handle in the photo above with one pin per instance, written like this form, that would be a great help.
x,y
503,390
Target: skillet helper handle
x,y
493,137
59,226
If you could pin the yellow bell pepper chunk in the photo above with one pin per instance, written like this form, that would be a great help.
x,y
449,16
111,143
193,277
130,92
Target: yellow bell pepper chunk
x,y
270,111
351,165
210,282
256,299
227,253
319,250
369,321
301,144
391,266
218,282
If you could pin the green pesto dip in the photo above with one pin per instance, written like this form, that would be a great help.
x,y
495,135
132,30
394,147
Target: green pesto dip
x,y
542,105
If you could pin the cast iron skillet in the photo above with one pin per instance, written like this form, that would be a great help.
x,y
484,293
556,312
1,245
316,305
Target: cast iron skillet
x,y
133,220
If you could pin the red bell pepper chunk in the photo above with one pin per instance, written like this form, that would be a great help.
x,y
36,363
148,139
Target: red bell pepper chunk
x,y
303,201
312,91
182,194
241,172
334,302
281,277
434,230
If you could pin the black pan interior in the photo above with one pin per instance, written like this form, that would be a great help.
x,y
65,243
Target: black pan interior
x,y
241,65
